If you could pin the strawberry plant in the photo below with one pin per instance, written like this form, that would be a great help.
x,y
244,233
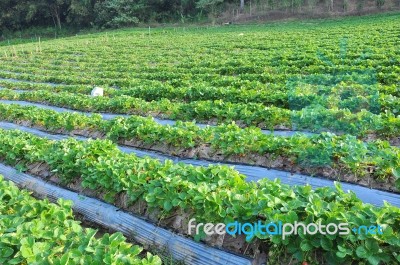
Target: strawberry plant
x,y
37,231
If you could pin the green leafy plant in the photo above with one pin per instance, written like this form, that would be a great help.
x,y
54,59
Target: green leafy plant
x,y
37,231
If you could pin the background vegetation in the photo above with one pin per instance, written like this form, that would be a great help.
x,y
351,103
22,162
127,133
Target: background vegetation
x,y
78,14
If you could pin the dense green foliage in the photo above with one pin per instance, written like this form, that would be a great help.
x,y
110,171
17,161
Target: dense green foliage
x,y
314,119
345,153
39,232
216,194
18,15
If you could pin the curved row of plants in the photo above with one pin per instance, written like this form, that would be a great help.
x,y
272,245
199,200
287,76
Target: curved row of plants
x,y
215,194
344,95
152,90
267,65
234,72
385,125
191,88
39,232
328,155
214,59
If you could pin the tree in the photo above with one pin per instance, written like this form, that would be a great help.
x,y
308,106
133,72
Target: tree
x,y
13,14
55,9
81,12
209,5
118,13
380,3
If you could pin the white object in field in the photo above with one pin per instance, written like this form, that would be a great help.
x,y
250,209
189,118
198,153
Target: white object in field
x,y
97,92
241,34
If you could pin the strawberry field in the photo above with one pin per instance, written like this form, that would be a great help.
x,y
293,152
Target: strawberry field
x,y
318,98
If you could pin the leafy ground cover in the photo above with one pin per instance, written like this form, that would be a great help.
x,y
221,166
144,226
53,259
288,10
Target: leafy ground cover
x,y
213,194
36,231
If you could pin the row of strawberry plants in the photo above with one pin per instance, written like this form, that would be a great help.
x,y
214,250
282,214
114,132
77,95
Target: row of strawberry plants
x,y
28,85
39,232
155,91
344,154
251,114
342,96
217,194
203,90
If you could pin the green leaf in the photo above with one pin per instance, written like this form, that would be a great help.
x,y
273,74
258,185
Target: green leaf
x,y
5,252
64,259
26,252
372,246
362,252
15,261
150,198
76,227
326,243
175,202
75,253
374,260
291,217
396,172
306,246
167,205
341,254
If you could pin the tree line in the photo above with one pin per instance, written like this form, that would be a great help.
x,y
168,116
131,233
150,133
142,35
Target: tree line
x,y
16,15
22,14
